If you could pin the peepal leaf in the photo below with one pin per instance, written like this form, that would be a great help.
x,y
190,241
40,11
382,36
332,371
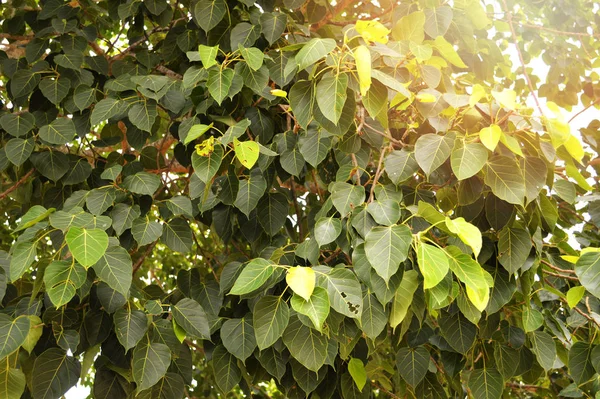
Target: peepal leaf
x,y
87,245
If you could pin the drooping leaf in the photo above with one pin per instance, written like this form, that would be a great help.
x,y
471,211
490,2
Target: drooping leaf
x,y
270,317
150,363
55,373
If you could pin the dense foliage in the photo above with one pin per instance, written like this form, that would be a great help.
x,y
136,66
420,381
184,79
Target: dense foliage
x,y
291,198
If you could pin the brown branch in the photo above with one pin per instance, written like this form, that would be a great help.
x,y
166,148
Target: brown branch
x,y
297,208
17,184
330,14
139,262
516,42
593,103
377,174
572,278
382,389
333,255
558,269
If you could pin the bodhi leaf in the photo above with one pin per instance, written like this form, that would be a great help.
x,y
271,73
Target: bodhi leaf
x,y
386,248
301,280
87,245
246,152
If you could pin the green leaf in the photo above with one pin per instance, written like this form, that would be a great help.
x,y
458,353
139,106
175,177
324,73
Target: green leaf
x,y
226,371
87,245
580,362
246,152
346,197
344,290
12,333
331,96
35,214
254,275
504,177
273,212
433,263
190,315
273,25
208,55
301,100
356,368
238,337
106,109
205,167
143,183
314,146
145,231
410,27
412,364
486,384
400,165
55,373
544,349
130,326
514,245
19,150
178,235
62,279
532,319
468,233
327,230
100,199
51,164
373,318
55,89
386,248
114,268
208,13
12,383
313,51
270,317
23,82
123,216
490,136
305,344
468,160
292,162
403,297
535,172
143,115
17,125
23,255
150,363
459,332
587,269
316,308
219,82
470,273
385,212
249,193
431,151
195,132
244,35
437,21
574,295
84,96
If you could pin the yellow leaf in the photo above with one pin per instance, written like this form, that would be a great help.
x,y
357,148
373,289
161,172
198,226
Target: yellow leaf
x,y
570,258
575,174
477,94
206,148
447,51
490,136
301,280
511,143
279,93
468,233
573,145
362,57
506,98
426,98
372,31
246,152
479,297
574,295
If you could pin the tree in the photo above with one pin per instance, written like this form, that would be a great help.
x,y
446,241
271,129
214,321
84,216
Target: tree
x,y
287,198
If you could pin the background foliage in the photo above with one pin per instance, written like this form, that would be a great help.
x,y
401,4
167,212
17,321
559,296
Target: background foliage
x,y
290,198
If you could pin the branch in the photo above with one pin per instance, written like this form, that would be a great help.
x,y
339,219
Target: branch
x,y
330,14
139,262
593,103
516,42
17,184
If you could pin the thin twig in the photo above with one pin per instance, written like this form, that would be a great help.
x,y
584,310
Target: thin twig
x,y
558,269
139,262
377,173
572,278
516,42
596,101
382,389
17,184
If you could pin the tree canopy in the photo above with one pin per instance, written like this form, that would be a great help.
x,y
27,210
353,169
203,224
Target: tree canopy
x,y
291,198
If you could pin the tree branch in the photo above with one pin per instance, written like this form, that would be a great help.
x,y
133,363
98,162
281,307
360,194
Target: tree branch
x,y
330,14
139,262
516,42
16,185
